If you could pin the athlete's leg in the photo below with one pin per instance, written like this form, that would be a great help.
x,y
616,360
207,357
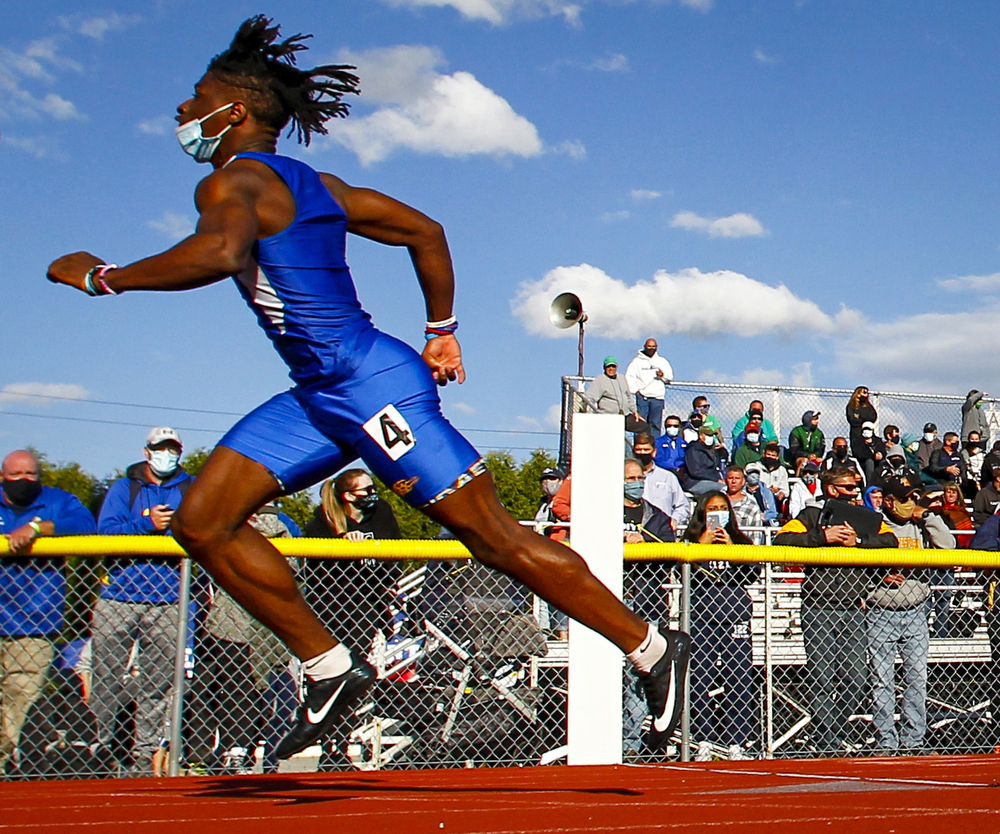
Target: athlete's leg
x,y
476,517
210,525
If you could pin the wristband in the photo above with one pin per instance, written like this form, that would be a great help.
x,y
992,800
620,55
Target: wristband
x,y
34,525
94,283
445,327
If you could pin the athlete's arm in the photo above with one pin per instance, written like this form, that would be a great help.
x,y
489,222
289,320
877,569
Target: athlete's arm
x,y
220,247
380,218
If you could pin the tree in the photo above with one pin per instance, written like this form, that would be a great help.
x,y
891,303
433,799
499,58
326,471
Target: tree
x,y
71,478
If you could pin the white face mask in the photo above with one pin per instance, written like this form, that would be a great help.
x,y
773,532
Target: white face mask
x,y
690,435
753,437
866,433
929,436
673,431
163,462
717,518
194,142
550,486
709,441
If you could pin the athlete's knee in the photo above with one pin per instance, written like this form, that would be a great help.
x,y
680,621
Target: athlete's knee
x,y
193,528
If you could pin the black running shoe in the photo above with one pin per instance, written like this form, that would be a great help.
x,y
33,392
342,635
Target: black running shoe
x,y
326,702
664,687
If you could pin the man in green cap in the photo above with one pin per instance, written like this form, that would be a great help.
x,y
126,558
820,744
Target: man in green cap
x,y
608,394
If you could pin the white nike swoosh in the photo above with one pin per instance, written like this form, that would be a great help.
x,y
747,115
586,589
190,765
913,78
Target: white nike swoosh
x,y
662,721
316,717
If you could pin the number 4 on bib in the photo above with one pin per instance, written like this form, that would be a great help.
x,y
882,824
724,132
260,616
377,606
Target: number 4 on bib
x,y
390,430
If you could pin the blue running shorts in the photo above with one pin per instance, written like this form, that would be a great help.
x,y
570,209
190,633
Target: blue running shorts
x,y
387,413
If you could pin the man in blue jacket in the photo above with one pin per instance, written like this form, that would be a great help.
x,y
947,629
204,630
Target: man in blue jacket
x,y
32,589
135,620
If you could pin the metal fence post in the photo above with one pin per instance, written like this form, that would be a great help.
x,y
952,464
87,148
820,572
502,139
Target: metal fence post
x,y
685,623
768,667
177,699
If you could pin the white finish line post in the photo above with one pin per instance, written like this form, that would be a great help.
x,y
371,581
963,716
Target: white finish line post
x,y
594,708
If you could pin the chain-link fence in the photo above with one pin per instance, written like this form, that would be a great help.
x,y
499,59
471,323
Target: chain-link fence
x,y
784,407
473,671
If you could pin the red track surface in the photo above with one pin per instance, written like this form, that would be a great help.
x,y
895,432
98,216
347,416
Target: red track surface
x,y
933,794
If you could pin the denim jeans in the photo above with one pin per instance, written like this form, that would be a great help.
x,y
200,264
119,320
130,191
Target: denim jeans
x,y
906,631
836,673
650,410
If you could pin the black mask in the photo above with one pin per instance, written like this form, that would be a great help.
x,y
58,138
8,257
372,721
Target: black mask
x,y
771,464
366,503
645,460
22,491
840,453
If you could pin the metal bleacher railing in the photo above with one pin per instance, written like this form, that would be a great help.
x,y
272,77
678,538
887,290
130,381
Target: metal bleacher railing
x,y
473,669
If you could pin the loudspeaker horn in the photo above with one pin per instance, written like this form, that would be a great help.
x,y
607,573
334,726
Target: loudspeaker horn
x,y
566,310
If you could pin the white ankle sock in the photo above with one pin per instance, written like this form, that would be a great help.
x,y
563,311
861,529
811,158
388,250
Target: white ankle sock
x,y
331,663
649,651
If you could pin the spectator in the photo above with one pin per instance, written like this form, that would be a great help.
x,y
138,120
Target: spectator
x,y
974,455
859,411
663,490
756,489
874,498
890,435
928,444
840,455
646,376
911,445
807,491
608,394
990,462
954,513
744,506
833,623
752,447
896,618
755,414
987,499
701,406
722,651
704,461
775,476
895,465
32,590
946,463
670,445
868,450
550,479
134,623
806,441
643,521
973,418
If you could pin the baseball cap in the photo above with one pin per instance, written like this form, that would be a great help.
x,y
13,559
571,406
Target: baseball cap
x,y
930,427
900,488
551,473
610,360
161,434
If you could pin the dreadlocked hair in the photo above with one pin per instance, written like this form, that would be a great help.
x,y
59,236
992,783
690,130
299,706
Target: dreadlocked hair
x,y
279,92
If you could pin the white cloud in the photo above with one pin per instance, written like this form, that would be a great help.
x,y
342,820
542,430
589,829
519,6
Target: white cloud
x,y
639,194
689,302
21,71
735,225
40,147
462,408
615,216
763,58
157,126
972,283
501,11
529,422
174,226
98,27
611,63
572,148
553,417
800,376
427,112
41,393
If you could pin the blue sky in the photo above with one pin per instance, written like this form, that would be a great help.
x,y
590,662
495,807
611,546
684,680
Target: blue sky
x,y
779,191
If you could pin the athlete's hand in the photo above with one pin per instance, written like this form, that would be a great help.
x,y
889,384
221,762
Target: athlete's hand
x,y
72,269
444,357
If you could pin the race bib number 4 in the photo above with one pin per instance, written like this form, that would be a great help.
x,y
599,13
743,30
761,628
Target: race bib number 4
x,y
391,432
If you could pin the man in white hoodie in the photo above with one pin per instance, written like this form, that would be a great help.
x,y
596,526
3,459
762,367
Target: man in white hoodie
x,y
646,377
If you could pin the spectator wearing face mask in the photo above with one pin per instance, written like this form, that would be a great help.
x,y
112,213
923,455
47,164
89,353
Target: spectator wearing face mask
x,y
974,416
840,455
974,455
757,490
701,405
868,449
775,475
138,603
927,445
859,411
990,462
987,499
895,465
890,435
806,492
670,445
550,479
755,414
662,489
704,461
946,464
647,375
751,449
806,441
